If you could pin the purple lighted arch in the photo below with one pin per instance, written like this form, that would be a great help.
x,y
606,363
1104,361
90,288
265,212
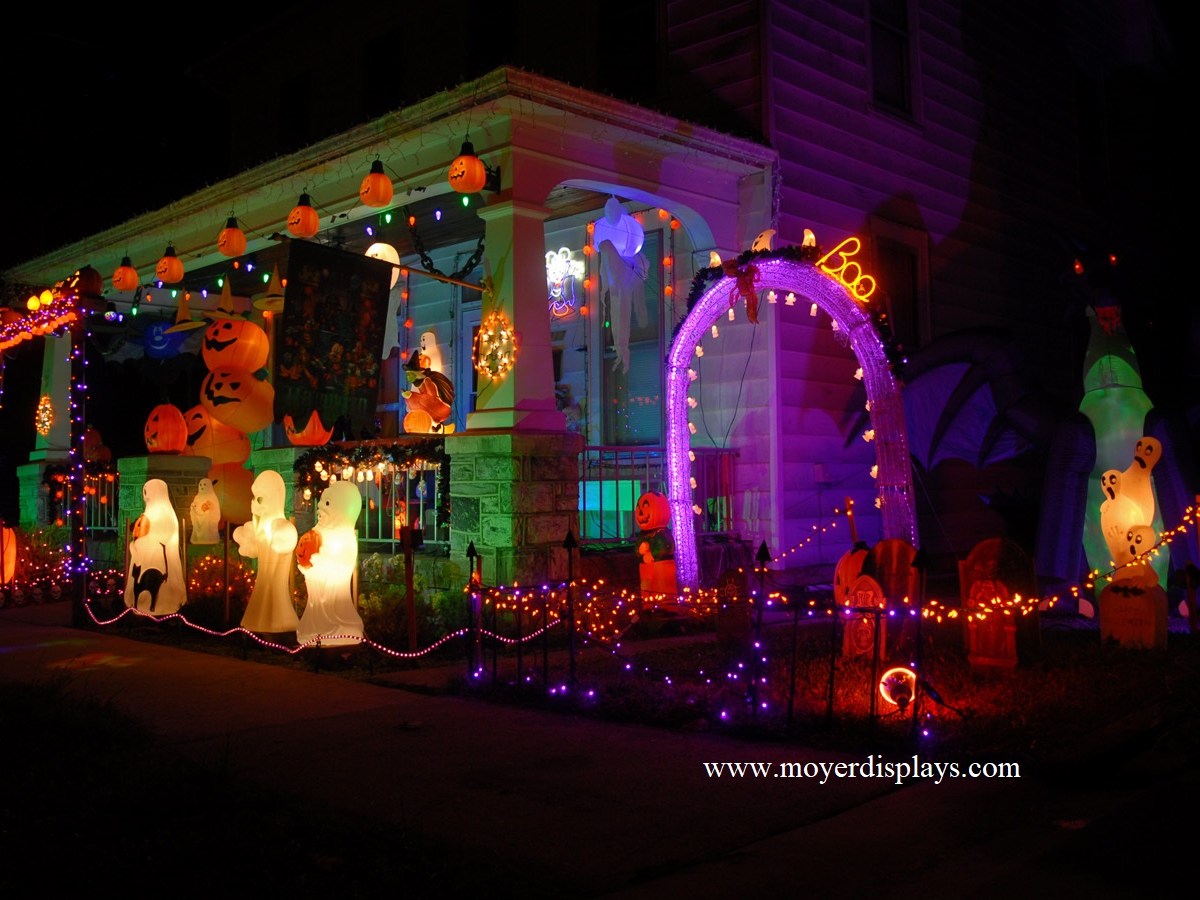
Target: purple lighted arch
x,y
894,483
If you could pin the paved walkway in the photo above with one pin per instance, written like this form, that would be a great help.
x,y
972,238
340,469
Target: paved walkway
x,y
594,809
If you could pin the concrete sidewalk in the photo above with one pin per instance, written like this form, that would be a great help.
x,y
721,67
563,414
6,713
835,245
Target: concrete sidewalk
x,y
590,808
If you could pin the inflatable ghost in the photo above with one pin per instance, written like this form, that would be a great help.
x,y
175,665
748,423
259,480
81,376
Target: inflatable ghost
x,y
206,514
155,581
270,538
1118,514
328,556
1136,482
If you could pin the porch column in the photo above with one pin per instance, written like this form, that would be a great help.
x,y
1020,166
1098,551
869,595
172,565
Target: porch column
x,y
523,400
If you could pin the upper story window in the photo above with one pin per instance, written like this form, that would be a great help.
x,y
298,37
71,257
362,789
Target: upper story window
x,y
891,52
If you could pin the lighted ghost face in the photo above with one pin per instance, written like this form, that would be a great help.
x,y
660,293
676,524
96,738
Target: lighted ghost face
x,y
339,506
268,495
1110,483
1141,539
1147,453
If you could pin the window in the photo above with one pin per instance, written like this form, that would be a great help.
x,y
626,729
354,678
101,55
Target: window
x,y
902,273
633,399
890,42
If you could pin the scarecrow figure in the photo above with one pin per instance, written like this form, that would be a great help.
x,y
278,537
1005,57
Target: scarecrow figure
x,y
428,398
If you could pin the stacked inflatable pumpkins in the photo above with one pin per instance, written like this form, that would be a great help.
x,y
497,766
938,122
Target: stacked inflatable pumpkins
x,y
235,401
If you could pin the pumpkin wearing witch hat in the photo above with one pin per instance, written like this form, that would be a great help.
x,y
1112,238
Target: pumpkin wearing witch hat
x,y
427,399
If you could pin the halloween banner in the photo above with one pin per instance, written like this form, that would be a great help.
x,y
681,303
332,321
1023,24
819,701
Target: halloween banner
x,y
329,337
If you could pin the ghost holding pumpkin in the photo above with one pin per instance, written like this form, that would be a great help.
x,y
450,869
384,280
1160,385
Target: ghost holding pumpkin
x,y
270,538
328,557
205,514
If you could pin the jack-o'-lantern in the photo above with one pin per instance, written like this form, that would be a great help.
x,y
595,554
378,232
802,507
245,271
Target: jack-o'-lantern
x,y
652,511
238,399
467,173
303,221
846,573
8,554
376,189
125,278
209,437
235,344
165,431
233,485
87,283
170,268
231,241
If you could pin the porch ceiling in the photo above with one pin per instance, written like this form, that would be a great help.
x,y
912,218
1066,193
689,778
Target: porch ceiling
x,y
501,109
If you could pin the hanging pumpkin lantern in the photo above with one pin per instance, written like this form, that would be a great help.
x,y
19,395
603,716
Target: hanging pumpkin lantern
x,y
467,173
238,399
232,240
376,189
165,431
235,344
170,268
125,278
303,221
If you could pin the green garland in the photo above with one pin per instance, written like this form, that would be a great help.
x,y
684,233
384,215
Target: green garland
x,y
368,454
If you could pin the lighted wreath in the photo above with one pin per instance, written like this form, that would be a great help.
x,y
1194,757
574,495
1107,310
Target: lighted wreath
x,y
495,348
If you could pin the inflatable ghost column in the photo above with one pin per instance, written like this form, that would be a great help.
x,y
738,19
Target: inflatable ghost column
x,y
206,514
155,582
327,556
270,538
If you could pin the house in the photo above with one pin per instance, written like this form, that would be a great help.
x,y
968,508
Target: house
x,y
946,153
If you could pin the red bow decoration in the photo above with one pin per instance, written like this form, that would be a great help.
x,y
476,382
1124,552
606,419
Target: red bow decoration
x,y
745,287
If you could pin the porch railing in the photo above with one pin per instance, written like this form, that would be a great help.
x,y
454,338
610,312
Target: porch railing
x,y
392,496
612,478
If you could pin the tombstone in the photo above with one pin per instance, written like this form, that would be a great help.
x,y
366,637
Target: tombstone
x,y
890,563
1133,609
858,634
995,572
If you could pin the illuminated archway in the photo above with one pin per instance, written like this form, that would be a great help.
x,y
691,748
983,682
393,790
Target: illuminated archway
x,y
894,482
